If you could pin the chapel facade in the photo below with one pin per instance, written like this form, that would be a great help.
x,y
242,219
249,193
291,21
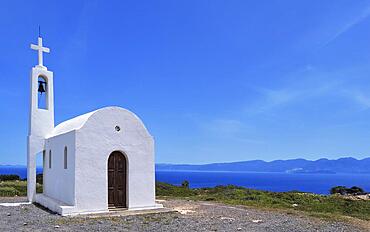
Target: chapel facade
x,y
91,163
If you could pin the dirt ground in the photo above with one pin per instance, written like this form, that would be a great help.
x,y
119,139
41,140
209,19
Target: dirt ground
x,y
183,216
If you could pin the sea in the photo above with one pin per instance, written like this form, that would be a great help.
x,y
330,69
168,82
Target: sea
x,y
277,182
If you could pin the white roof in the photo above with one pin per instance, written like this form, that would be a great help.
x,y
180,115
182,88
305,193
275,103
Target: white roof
x,y
72,124
78,122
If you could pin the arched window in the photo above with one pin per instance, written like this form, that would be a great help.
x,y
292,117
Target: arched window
x,y
42,93
49,159
43,159
65,158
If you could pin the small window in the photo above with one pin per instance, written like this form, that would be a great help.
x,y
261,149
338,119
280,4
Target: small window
x,y
65,158
50,159
43,159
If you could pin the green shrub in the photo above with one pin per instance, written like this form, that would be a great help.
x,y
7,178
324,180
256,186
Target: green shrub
x,y
356,190
19,186
9,177
342,190
164,189
8,192
39,178
185,184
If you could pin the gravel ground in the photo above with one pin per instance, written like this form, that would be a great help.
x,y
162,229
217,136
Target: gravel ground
x,y
191,216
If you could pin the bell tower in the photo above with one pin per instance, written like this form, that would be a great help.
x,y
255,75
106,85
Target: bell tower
x,y
41,118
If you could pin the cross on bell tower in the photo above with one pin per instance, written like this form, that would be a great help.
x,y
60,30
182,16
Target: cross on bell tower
x,y
40,50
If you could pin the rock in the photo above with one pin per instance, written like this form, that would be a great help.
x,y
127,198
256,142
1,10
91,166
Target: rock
x,y
239,229
56,226
25,223
295,205
227,218
256,221
8,214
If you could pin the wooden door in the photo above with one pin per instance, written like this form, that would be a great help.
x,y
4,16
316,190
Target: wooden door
x,y
117,180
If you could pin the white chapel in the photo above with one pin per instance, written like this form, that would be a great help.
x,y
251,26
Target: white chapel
x,y
91,163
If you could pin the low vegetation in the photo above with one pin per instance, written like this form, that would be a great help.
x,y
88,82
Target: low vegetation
x,y
317,205
342,190
16,188
11,185
9,177
334,205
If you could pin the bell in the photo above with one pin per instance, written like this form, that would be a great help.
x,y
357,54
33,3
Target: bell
x,y
41,87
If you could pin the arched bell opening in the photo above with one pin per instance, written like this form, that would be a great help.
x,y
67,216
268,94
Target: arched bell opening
x,y
117,180
42,93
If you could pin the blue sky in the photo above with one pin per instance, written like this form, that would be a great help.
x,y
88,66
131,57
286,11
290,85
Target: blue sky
x,y
214,81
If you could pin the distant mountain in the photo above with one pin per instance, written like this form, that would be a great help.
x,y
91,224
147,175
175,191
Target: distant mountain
x,y
343,165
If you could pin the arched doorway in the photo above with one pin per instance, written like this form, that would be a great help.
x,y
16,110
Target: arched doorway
x,y
117,178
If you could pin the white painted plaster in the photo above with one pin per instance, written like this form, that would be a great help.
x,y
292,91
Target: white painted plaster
x,y
70,125
96,140
40,49
14,204
41,123
59,183
90,139
83,188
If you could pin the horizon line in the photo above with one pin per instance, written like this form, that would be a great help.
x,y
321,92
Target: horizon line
x,y
312,160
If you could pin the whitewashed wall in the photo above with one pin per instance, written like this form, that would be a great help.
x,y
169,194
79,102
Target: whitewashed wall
x,y
59,183
95,141
41,123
